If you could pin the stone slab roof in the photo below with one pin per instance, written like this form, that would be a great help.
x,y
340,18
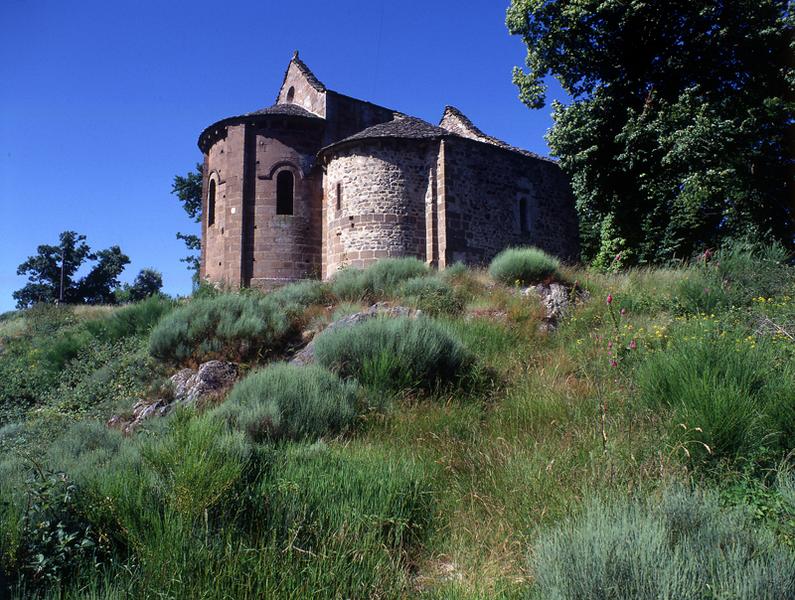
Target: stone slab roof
x,y
483,137
402,127
292,110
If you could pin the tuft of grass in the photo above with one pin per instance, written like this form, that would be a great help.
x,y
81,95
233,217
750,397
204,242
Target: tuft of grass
x,y
394,354
378,280
235,326
524,266
432,295
730,396
285,401
682,545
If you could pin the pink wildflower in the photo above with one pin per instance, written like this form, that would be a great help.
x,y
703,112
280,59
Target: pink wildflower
x,y
610,298
623,311
633,345
609,345
613,362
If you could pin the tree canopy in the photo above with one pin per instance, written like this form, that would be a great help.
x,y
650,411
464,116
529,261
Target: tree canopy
x,y
676,136
188,189
45,268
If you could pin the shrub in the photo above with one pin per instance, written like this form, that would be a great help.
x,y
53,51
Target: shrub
x,y
432,295
730,392
683,546
302,294
285,401
379,279
229,325
523,265
393,353
86,445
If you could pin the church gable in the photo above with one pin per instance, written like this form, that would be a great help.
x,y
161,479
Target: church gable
x,y
301,87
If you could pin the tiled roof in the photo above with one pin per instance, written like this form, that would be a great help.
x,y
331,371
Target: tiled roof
x,y
482,137
401,127
292,110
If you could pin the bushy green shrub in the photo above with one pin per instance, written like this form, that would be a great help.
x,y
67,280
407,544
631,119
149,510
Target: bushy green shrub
x,y
680,546
455,271
285,401
524,266
379,279
302,294
432,295
229,325
393,353
85,445
730,392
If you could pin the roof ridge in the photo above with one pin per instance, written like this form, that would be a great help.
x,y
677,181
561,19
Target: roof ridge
x,y
484,137
306,71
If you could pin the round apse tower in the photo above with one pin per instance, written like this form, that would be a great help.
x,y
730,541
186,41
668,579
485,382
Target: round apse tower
x,y
379,184
262,198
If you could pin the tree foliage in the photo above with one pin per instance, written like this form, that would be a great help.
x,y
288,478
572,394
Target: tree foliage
x,y
676,137
188,189
147,283
45,267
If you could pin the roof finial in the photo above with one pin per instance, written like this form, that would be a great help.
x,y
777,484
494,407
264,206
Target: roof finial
x,y
295,54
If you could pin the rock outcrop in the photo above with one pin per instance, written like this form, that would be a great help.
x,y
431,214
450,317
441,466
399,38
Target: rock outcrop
x,y
190,386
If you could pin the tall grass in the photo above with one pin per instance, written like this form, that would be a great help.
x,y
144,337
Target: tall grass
x,y
378,280
394,354
730,395
284,401
231,326
682,545
524,266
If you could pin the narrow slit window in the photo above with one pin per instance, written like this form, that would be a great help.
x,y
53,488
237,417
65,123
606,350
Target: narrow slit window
x,y
339,196
290,95
284,193
211,203
523,224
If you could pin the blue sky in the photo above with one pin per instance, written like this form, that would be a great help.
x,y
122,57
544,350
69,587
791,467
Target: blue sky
x,y
101,102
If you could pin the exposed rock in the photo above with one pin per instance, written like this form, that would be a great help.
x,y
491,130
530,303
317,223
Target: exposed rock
x,y
212,377
141,411
556,299
380,309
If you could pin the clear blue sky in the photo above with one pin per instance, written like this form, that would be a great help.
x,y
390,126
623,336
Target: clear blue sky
x,y
101,103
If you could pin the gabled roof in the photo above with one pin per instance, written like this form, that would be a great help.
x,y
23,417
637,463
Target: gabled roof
x,y
305,71
471,131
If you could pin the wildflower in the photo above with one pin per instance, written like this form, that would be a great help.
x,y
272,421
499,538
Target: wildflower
x,y
610,299
613,362
633,345
623,311
609,345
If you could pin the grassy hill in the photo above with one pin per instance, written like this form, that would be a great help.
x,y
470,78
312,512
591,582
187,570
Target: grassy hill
x,y
640,447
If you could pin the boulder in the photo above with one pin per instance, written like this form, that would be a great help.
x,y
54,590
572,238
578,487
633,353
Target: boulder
x,y
212,377
557,300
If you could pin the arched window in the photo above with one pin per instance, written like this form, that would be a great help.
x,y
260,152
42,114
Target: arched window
x,y
523,216
211,203
284,193
290,94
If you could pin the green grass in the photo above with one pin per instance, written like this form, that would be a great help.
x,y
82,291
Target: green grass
x,y
516,464
394,354
523,266
376,281
283,401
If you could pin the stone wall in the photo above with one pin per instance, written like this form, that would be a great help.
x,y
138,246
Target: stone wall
x,y
304,93
285,247
222,242
384,184
484,187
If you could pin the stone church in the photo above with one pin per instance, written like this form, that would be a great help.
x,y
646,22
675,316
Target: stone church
x,y
320,181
